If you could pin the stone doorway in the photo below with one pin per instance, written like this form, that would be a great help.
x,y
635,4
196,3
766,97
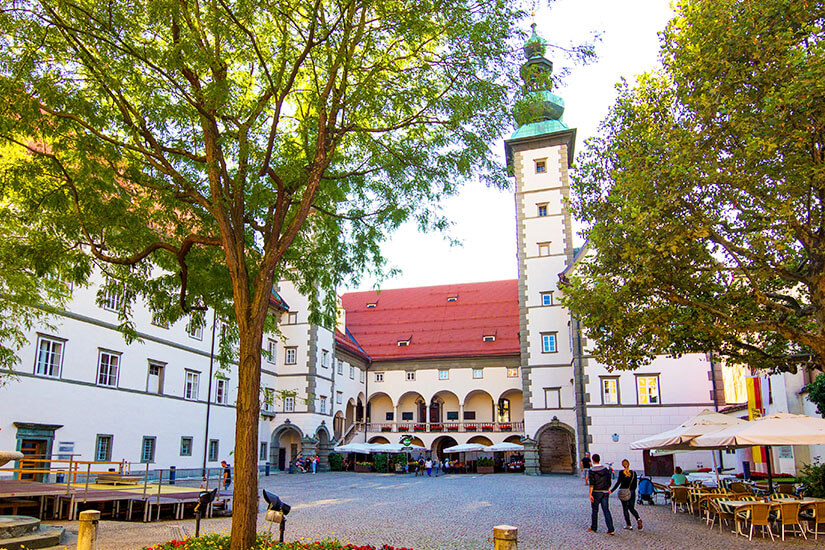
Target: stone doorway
x,y
556,450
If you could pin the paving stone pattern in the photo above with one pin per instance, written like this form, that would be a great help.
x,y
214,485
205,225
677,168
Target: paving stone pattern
x,y
453,512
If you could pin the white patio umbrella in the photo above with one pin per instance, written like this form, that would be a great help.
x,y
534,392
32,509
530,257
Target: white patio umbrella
x,y
354,448
774,429
468,448
683,436
506,447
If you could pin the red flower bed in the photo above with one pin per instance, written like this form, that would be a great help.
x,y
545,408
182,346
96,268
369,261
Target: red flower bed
x,y
265,542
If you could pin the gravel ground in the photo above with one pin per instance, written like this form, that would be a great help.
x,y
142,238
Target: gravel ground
x,y
453,512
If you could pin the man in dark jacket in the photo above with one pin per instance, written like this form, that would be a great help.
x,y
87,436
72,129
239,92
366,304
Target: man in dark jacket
x,y
599,480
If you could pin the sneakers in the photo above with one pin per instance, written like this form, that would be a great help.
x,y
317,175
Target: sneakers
x,y
628,527
639,523
590,530
611,533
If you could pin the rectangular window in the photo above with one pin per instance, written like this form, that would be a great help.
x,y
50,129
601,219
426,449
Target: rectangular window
x,y
108,365
323,404
271,351
548,342
292,318
221,394
478,373
610,391
361,376
389,416
185,446
452,415
195,328
544,249
103,448
339,397
512,372
351,372
114,298
290,356
547,298
488,338
49,356
552,398
541,166
262,456
159,321
648,390
289,404
147,449
443,375
325,358
469,415
340,367
542,210
379,376
410,376
213,450
406,416
154,378
268,398
190,386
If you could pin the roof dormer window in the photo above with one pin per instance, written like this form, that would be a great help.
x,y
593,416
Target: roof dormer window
x,y
489,338
403,343
453,298
371,305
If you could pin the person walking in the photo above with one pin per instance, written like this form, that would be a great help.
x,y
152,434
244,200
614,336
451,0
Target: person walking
x,y
429,466
599,481
585,464
314,464
227,474
627,483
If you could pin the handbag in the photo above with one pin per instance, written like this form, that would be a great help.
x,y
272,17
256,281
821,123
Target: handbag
x,y
625,494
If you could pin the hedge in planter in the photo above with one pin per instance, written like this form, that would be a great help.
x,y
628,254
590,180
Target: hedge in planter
x,y
264,541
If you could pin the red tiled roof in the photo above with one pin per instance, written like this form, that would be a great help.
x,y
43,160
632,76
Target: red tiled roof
x,y
347,342
435,326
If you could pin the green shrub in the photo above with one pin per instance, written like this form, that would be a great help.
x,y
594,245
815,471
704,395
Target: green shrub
x,y
336,462
264,541
484,461
813,476
380,463
816,394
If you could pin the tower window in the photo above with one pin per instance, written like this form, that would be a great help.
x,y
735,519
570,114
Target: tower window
x,y
541,166
544,249
542,210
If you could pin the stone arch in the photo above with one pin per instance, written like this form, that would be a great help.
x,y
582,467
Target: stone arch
x,y
510,406
413,402
442,403
480,439
482,404
379,439
350,413
513,439
338,425
284,445
556,443
440,443
360,405
323,446
378,406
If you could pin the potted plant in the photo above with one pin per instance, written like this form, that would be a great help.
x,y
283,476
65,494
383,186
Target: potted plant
x,y
403,428
362,467
452,428
470,428
386,428
487,428
505,428
419,428
436,427
484,465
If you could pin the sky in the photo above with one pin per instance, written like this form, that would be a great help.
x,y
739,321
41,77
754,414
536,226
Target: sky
x,y
484,219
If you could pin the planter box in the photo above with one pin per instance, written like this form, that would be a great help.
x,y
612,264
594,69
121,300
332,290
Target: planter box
x,y
362,468
386,429
470,429
505,428
485,469
486,428
436,428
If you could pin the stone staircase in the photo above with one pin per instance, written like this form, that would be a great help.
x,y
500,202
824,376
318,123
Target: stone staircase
x,y
18,532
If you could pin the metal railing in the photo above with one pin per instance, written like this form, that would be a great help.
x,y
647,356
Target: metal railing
x,y
441,427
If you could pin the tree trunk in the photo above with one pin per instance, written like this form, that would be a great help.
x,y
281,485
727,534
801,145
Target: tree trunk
x,y
245,505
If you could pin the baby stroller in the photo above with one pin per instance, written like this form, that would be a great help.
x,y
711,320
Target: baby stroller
x,y
645,490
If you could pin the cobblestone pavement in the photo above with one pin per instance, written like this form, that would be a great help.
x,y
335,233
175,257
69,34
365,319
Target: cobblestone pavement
x,y
453,512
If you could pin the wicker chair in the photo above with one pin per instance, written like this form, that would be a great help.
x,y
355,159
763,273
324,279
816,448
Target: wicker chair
x,y
758,514
788,488
718,513
817,518
741,488
705,507
777,496
680,498
789,517
659,489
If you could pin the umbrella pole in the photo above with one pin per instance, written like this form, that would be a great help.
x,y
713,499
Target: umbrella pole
x,y
770,470
716,469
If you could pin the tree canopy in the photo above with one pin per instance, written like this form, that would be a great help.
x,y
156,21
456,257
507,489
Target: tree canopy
x,y
703,195
196,151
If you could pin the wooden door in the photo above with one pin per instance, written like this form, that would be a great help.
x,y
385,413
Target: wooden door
x,y
556,452
658,465
37,448
281,458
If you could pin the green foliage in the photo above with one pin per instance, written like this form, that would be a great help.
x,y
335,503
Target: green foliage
x,y
336,462
816,393
380,462
263,541
484,461
704,195
813,476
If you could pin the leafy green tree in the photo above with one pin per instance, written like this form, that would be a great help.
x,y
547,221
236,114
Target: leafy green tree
x,y
704,194
197,151
816,393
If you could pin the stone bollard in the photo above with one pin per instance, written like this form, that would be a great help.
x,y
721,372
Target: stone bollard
x,y
505,537
87,530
